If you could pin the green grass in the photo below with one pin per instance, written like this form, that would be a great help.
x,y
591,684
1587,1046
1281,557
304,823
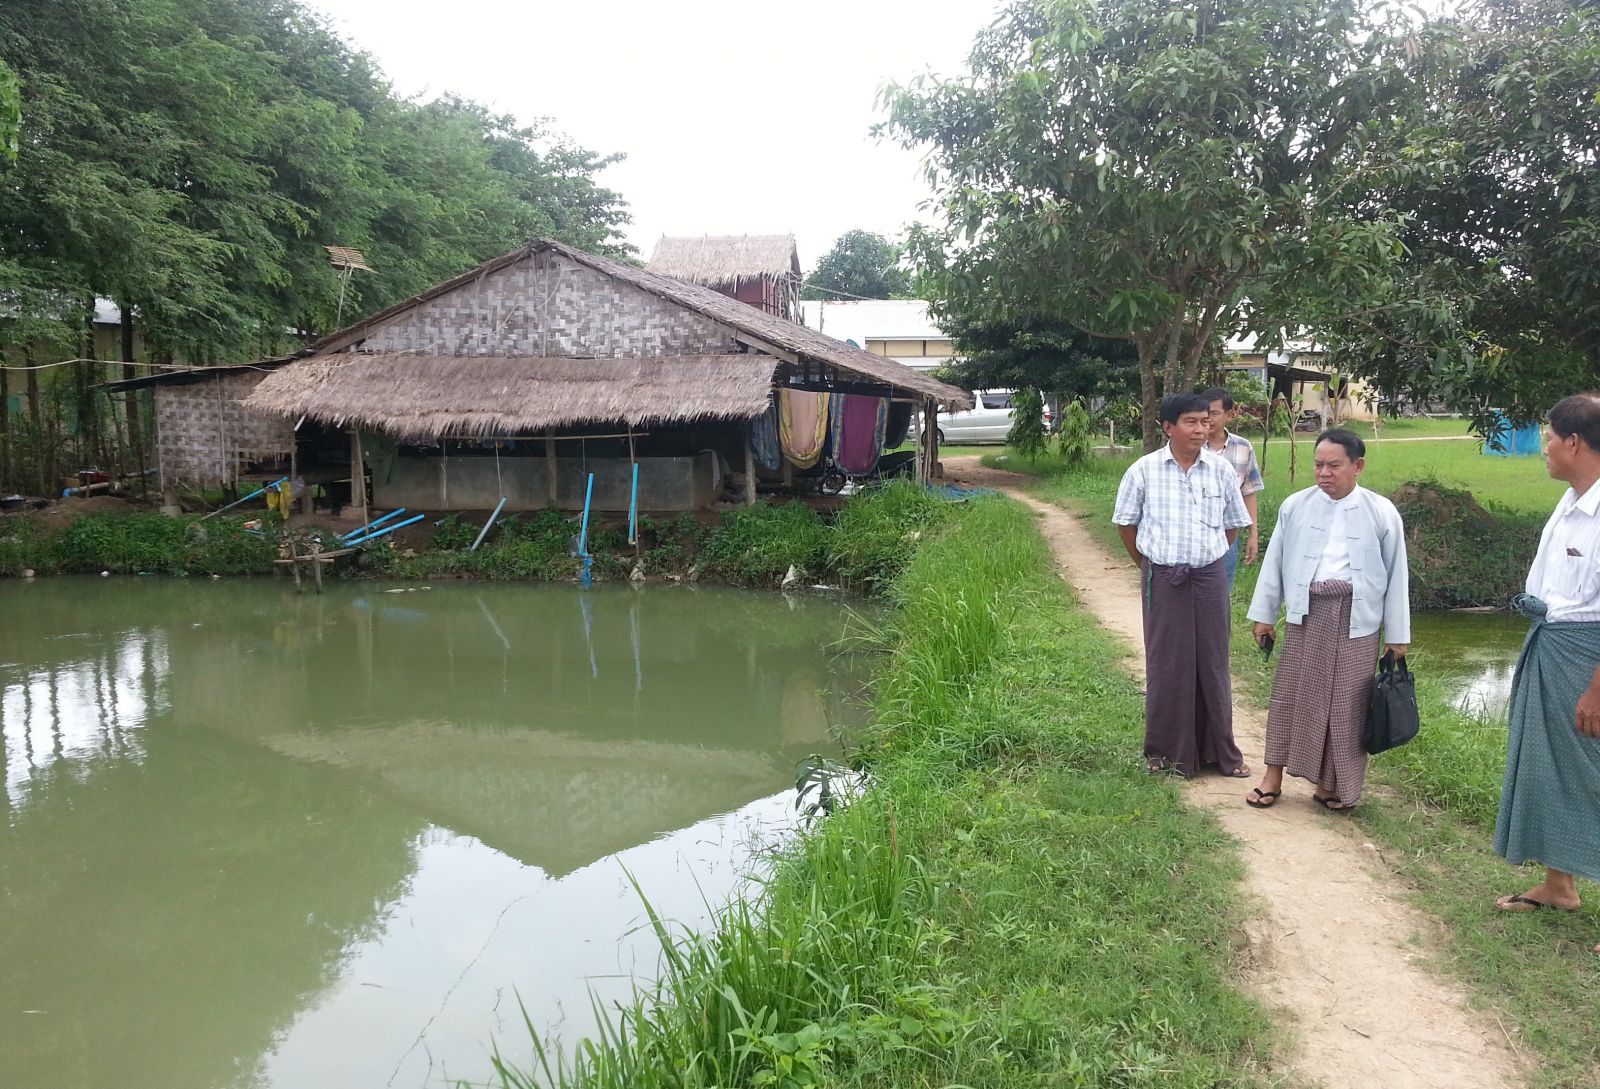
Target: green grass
x,y
1013,902
1432,814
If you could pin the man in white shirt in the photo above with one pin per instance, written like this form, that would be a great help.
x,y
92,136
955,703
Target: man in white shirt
x,y
1550,804
1178,511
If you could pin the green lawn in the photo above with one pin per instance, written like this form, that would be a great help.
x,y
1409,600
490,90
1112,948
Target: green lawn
x,y
1433,807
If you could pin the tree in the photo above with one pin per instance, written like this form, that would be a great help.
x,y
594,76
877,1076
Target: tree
x,y
1138,170
10,113
860,264
1049,355
1497,304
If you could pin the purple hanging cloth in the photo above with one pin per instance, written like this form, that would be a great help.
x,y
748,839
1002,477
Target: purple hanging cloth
x,y
863,422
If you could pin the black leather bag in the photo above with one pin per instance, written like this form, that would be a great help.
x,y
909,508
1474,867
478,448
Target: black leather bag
x,y
1392,717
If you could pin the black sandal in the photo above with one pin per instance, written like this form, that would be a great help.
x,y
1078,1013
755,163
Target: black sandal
x,y
1332,803
1263,794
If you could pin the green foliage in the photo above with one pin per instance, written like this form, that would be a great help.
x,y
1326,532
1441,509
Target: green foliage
x,y
1497,303
454,535
860,264
1461,554
677,543
999,351
1138,170
880,529
1077,434
138,543
757,545
10,113
1027,435
191,158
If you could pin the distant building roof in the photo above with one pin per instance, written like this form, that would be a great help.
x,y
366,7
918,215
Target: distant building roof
x,y
714,260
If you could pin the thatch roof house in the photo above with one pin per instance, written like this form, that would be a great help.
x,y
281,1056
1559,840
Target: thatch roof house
x,y
462,394
760,269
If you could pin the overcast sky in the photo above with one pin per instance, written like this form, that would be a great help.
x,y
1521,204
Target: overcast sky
x,y
736,118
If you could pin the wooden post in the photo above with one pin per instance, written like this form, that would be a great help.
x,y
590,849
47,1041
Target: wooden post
x,y
294,566
749,474
933,441
916,442
316,564
358,476
550,464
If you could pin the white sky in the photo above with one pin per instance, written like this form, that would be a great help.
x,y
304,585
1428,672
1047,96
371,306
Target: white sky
x,y
737,118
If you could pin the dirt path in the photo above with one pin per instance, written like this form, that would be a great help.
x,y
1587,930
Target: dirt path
x,y
1329,948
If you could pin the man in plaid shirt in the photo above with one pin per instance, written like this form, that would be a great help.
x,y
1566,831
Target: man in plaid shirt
x,y
1179,510
1237,451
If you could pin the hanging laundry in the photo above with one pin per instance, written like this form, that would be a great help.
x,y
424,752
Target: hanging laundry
x,y
764,439
899,425
802,425
858,431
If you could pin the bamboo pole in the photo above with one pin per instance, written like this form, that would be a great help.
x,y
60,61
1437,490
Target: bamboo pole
x,y
749,475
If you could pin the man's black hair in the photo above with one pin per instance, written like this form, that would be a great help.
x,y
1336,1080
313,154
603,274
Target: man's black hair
x,y
1217,393
1176,404
1340,436
1578,415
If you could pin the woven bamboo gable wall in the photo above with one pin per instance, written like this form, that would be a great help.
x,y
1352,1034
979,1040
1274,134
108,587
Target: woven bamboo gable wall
x,y
205,437
548,306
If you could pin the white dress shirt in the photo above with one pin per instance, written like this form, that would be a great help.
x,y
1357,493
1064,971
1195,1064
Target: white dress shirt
x,y
1334,566
1566,569
1183,515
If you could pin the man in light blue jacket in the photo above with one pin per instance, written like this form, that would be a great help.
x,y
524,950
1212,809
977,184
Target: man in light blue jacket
x,y
1336,565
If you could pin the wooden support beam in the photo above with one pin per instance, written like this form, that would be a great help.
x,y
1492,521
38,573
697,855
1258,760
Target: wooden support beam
x,y
358,476
749,474
550,464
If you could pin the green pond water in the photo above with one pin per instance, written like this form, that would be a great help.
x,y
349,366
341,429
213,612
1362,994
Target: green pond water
x,y
258,839
1474,654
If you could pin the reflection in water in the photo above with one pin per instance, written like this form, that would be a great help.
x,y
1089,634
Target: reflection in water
x,y
1475,654
259,839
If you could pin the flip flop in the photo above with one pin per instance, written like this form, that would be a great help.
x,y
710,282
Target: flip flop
x,y
1262,794
1240,772
1530,904
1332,803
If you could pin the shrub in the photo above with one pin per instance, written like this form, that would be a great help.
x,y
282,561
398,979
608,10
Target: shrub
x,y
757,545
1077,435
876,534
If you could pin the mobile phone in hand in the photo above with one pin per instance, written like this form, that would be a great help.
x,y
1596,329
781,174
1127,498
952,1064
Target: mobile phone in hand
x,y
1265,643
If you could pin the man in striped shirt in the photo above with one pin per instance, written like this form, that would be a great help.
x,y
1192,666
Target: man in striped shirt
x,y
1236,451
1179,510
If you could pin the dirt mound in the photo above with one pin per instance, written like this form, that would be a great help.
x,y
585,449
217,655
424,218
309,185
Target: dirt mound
x,y
66,511
1461,554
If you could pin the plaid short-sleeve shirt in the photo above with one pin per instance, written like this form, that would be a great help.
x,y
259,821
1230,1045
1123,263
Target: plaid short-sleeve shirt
x,y
1183,517
1238,452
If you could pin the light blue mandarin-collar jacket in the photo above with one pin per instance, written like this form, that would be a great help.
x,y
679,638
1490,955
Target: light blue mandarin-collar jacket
x,y
1379,578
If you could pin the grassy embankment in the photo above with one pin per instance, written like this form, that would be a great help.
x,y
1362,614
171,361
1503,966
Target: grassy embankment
x,y
1435,820
1012,902
748,546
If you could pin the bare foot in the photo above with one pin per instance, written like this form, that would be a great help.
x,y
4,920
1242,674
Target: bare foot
x,y
1536,899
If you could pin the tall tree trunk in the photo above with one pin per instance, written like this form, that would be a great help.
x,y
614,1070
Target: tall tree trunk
x,y
1149,396
1173,370
6,482
36,422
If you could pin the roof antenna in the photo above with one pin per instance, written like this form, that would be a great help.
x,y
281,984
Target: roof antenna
x,y
347,261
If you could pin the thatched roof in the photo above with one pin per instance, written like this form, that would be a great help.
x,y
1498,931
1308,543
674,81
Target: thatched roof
x,y
412,396
717,260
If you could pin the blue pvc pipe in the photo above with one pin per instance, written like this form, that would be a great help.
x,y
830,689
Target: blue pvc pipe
x,y
583,534
633,508
244,499
386,529
374,524
484,532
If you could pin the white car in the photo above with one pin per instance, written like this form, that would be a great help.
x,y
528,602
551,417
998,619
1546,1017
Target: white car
x,y
988,420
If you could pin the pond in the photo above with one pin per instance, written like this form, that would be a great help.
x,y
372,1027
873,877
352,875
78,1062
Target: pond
x,y
1474,654
253,838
